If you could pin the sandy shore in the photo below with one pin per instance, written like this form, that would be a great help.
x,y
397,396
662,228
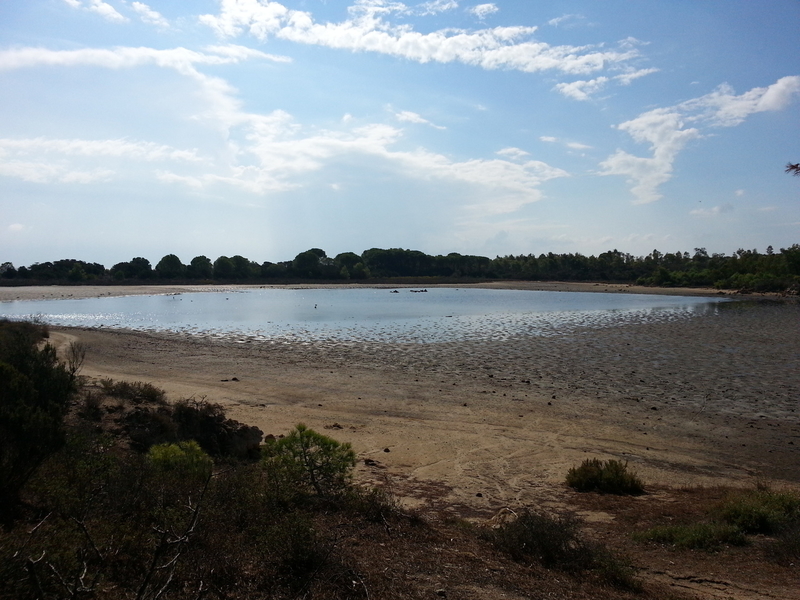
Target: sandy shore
x,y
476,426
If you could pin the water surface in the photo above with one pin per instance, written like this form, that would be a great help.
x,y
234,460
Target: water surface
x,y
402,315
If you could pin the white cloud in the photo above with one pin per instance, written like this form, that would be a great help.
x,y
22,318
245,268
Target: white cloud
x,y
483,10
581,90
664,129
571,145
147,151
366,30
513,153
148,15
632,74
739,193
723,108
436,6
412,117
712,212
564,19
14,227
103,9
50,172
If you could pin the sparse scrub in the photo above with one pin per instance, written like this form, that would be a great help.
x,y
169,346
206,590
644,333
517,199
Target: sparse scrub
x,y
136,392
694,536
760,510
556,541
607,477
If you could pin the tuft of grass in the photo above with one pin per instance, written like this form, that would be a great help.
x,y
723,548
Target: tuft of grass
x,y
607,477
695,536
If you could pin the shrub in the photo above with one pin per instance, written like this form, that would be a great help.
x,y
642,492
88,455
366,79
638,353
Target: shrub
x,y
696,536
785,548
555,541
759,511
184,459
609,477
137,392
35,389
311,460
206,423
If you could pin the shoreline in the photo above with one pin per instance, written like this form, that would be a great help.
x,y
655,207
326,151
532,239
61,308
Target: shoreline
x,y
61,292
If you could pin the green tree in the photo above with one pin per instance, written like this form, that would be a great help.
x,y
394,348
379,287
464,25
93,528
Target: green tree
x,y
307,264
312,460
200,268
170,267
35,390
224,268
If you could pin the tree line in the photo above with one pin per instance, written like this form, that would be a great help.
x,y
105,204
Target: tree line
x,y
744,269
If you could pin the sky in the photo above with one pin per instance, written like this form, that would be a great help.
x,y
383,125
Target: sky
x,y
261,128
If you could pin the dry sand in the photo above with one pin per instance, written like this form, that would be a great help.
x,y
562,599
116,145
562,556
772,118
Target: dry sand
x,y
475,426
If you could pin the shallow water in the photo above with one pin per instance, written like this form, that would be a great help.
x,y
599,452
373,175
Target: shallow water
x,y
344,315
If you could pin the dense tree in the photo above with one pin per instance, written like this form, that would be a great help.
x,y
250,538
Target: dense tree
x,y
35,389
200,268
224,268
170,267
307,264
137,268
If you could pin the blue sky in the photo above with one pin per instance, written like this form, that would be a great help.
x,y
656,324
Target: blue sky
x,y
265,128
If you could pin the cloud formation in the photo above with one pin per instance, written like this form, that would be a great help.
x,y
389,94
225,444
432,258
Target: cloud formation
x,y
483,10
103,9
666,132
367,30
148,15
412,117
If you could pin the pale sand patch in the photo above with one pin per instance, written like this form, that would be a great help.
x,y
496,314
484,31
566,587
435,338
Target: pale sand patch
x,y
707,400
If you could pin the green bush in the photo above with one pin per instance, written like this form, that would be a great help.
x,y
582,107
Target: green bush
x,y
184,459
310,460
609,477
759,511
695,536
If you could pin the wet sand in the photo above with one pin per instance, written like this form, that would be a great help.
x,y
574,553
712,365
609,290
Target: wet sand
x,y
475,426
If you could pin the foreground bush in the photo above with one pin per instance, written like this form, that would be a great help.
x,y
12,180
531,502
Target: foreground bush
x,y
556,541
35,389
609,477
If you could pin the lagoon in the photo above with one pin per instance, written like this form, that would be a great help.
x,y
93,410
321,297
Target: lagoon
x,y
399,315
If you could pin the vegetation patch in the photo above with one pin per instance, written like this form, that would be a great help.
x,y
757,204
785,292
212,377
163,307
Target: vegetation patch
x,y
607,477
760,510
556,541
694,536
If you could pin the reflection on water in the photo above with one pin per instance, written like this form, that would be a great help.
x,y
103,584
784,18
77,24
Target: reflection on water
x,y
351,315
